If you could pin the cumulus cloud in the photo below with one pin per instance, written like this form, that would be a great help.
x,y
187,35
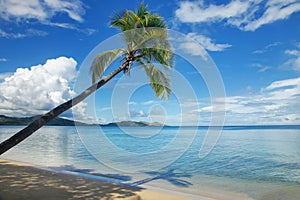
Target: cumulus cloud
x,y
277,103
38,89
246,15
5,75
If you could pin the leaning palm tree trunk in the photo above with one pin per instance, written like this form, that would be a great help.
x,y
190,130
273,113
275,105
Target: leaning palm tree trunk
x,y
44,119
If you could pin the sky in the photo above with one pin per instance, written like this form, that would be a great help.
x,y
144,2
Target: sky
x,y
253,46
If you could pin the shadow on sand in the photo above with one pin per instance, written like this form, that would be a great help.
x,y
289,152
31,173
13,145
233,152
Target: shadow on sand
x,y
119,178
22,182
171,176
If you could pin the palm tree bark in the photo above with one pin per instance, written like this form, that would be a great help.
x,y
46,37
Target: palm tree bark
x,y
44,119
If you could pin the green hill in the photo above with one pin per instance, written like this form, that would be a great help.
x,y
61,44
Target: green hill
x,y
23,121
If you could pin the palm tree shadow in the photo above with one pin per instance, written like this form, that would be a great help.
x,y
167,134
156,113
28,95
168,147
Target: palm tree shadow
x,y
171,176
122,178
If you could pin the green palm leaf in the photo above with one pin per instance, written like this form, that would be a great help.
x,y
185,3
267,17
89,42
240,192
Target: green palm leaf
x,y
159,80
102,61
146,38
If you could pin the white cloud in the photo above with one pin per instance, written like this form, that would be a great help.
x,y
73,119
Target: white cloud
x,y
261,68
74,9
267,48
137,113
189,103
293,52
26,33
276,10
198,12
11,35
207,42
38,89
246,15
197,45
294,61
283,83
265,68
150,102
278,103
193,49
3,59
5,75
40,10
43,12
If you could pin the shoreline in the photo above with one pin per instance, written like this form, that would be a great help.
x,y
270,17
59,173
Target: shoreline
x,y
25,181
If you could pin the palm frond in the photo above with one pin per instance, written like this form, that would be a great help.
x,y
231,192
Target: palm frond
x,y
150,38
142,10
126,20
156,21
117,19
156,47
102,61
163,56
159,80
147,42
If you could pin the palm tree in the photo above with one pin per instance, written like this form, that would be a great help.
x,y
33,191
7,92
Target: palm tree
x,y
146,42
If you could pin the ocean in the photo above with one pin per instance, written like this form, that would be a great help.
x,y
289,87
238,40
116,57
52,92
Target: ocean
x,y
257,162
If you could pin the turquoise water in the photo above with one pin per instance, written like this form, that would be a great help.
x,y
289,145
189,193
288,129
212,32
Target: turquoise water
x,y
251,160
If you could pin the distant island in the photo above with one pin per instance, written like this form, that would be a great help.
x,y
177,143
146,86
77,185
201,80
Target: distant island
x,y
23,121
133,123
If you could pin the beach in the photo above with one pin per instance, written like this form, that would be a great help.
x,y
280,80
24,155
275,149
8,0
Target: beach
x,y
22,181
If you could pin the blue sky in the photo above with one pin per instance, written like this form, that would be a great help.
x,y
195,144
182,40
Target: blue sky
x,y
254,44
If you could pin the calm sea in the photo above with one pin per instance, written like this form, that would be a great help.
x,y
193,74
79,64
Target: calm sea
x,y
259,162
